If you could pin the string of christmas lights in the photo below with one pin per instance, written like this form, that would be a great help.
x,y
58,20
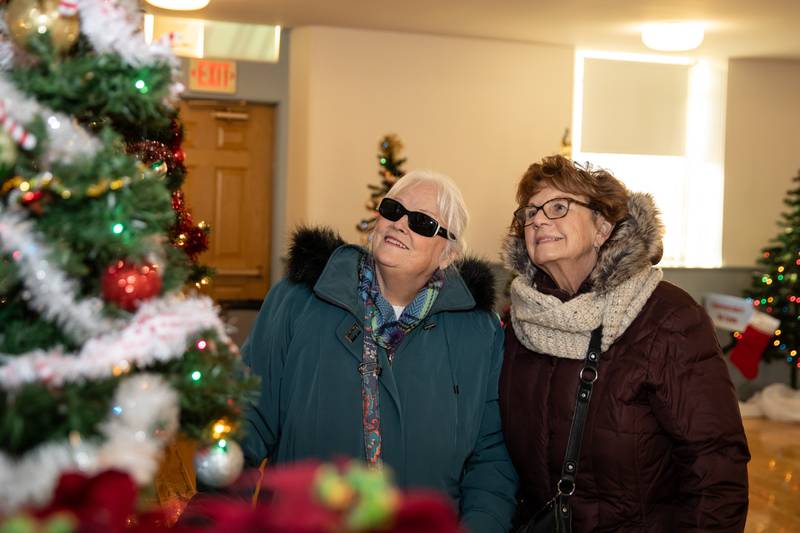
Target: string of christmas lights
x,y
143,417
778,300
17,188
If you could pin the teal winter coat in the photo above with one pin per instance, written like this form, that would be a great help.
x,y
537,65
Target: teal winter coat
x,y
439,400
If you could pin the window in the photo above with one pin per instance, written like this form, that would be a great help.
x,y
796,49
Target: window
x,y
658,125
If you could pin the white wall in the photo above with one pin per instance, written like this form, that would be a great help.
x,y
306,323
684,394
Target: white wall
x,y
762,153
478,110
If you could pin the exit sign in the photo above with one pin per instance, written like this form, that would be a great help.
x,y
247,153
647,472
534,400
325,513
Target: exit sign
x,y
212,76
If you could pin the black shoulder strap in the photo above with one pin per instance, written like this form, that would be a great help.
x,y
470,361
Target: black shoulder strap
x,y
588,375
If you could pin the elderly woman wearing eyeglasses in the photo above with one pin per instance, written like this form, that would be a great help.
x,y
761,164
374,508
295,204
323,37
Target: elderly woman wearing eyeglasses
x,y
389,355
616,403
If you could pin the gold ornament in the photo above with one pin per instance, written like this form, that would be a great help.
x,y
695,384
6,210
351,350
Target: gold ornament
x,y
27,18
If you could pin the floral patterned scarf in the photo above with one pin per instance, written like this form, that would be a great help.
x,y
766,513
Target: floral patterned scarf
x,y
383,328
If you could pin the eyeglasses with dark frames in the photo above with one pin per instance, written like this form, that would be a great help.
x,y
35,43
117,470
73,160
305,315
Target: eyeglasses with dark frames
x,y
418,222
552,209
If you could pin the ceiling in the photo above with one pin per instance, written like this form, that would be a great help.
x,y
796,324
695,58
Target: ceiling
x,y
735,28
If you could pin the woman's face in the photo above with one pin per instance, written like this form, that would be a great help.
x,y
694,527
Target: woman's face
x,y
395,246
563,242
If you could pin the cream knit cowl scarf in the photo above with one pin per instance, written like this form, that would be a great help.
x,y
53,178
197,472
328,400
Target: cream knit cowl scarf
x,y
546,325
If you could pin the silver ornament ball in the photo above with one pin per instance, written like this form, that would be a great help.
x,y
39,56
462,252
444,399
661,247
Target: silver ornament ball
x,y
217,465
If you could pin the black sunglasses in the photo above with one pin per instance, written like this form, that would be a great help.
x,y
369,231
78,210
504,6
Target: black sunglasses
x,y
418,222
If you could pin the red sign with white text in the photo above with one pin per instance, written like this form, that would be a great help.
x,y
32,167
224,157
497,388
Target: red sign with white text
x,y
212,76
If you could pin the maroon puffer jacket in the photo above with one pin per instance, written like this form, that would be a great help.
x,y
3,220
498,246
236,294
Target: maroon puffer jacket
x,y
663,448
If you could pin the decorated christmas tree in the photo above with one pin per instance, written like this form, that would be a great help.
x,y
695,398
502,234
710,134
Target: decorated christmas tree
x,y
103,354
390,171
775,289
160,146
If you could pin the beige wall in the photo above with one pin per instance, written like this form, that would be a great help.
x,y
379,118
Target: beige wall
x,y
478,110
762,152
634,107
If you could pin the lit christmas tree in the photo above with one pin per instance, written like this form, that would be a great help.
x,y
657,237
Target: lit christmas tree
x,y
390,171
775,288
160,146
102,357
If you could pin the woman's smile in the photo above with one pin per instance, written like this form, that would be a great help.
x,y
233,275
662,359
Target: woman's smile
x,y
394,242
544,239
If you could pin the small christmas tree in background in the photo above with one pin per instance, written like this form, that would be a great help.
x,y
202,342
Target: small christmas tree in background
x,y
390,171
102,357
775,288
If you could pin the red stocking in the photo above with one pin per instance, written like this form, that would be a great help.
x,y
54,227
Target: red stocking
x,y
748,350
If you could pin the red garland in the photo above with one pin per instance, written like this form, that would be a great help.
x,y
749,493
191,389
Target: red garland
x,y
177,134
151,151
193,239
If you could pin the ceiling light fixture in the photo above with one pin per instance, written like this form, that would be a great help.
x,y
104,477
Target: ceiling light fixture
x,y
179,5
673,36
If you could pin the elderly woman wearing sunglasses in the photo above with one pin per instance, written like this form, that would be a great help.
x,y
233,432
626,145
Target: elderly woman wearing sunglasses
x,y
615,399
389,355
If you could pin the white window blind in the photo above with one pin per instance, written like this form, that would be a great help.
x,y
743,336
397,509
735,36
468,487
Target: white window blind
x,y
659,127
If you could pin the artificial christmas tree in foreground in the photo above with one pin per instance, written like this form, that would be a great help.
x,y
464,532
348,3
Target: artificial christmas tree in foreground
x,y
775,288
102,356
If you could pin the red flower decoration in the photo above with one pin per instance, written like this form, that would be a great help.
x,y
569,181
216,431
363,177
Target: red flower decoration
x,y
101,503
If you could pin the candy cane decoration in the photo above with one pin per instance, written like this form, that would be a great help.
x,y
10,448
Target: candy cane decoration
x,y
20,135
68,8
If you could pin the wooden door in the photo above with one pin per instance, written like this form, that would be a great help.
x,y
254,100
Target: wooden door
x,y
229,185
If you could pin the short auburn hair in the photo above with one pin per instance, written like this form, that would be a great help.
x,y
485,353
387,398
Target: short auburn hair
x,y
606,194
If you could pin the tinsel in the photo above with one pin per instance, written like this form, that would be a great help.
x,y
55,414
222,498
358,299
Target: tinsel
x,y
6,46
193,239
113,27
153,151
47,289
143,417
158,332
66,140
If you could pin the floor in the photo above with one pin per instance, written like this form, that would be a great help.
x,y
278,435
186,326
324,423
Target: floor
x,y
774,476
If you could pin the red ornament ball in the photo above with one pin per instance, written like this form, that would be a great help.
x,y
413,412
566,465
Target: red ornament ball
x,y
128,284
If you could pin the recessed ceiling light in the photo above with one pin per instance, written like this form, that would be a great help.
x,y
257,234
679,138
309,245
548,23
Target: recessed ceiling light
x,y
179,5
673,36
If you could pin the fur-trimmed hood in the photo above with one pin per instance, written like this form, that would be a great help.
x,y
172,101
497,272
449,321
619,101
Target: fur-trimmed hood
x,y
311,248
635,244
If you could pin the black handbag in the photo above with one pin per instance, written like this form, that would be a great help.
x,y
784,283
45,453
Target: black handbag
x,y
556,515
